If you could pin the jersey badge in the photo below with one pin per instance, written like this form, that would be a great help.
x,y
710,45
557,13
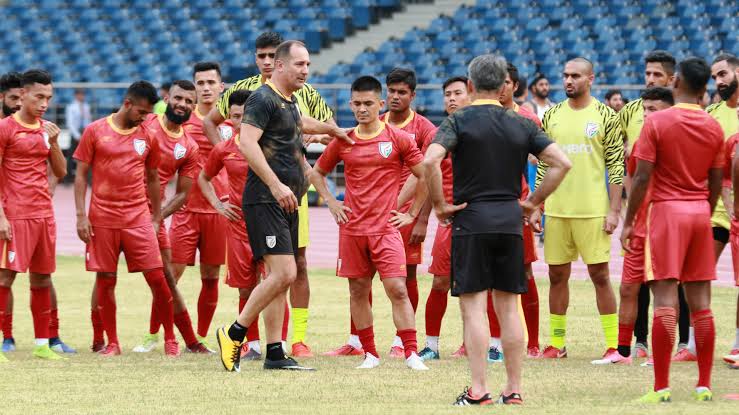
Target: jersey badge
x,y
591,130
179,151
139,145
226,132
386,148
271,241
11,256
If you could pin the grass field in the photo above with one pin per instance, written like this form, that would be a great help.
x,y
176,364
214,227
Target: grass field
x,y
143,384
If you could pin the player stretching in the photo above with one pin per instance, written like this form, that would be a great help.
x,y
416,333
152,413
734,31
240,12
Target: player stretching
x,y
580,218
680,149
243,271
124,158
28,236
368,241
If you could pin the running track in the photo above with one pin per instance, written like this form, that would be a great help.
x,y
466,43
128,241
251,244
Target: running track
x,y
324,242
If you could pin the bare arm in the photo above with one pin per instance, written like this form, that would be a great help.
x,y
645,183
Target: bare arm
x,y
338,210
432,176
421,192
5,232
639,186
206,187
183,188
715,177
56,158
152,190
84,228
313,126
210,125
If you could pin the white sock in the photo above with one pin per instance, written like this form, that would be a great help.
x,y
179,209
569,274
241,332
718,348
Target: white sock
x,y
736,340
354,341
495,342
397,342
691,341
284,347
254,345
42,342
432,342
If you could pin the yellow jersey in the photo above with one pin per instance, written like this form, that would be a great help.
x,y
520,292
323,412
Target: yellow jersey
x,y
631,118
592,139
727,118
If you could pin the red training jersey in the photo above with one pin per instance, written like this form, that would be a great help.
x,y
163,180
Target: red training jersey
x,y
372,168
24,181
683,142
531,116
640,220
227,155
729,153
178,153
196,202
119,160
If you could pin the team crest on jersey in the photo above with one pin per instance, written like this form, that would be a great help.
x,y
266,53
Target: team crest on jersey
x,y
271,241
139,145
11,256
386,148
46,139
179,151
226,132
591,130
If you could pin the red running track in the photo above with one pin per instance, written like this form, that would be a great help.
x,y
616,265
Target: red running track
x,y
324,237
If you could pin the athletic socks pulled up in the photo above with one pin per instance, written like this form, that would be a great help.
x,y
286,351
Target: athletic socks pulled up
x,y
367,339
41,311
163,300
624,339
107,306
705,341
300,324
557,330
207,303
609,322
410,344
664,324
530,305
435,310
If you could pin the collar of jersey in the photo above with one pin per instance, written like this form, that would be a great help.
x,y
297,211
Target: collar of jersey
x,y
117,129
17,119
197,113
404,123
516,107
274,88
687,106
486,102
372,135
166,131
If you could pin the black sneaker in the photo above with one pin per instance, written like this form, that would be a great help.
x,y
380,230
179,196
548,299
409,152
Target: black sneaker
x,y
465,399
512,399
287,363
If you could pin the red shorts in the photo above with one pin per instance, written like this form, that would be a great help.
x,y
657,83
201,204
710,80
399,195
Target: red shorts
x,y
529,248
633,270
441,252
242,269
362,256
139,245
32,247
204,232
734,240
413,253
163,237
680,242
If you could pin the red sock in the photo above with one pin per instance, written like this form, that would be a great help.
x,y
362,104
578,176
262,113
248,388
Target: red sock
x,y
353,331
663,338
705,340
98,333
410,345
412,285
41,311
285,322
8,326
242,303
154,321
435,309
493,318
184,325
163,299
107,306
252,333
207,303
367,338
530,305
54,324
4,292
625,334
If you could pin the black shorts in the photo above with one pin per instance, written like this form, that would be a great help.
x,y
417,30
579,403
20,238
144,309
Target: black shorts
x,y
721,234
271,230
488,261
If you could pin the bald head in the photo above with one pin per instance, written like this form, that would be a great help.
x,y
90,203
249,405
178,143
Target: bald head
x,y
584,64
578,77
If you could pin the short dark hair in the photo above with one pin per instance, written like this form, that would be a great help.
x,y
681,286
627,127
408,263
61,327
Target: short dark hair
x,y
268,40
166,86
664,57
142,90
729,58
184,84
613,92
522,85
35,76
404,75
454,79
206,66
238,97
694,72
538,77
9,81
367,83
658,93
512,72
284,48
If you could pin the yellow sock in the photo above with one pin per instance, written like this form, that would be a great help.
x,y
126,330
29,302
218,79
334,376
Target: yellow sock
x,y
300,324
557,330
610,329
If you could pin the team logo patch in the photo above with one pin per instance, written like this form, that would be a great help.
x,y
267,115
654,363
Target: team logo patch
x,y
11,256
46,139
226,132
139,145
591,130
386,147
413,136
271,241
179,151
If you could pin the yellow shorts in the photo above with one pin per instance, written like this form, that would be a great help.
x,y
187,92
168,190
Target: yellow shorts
x,y
303,226
565,238
720,218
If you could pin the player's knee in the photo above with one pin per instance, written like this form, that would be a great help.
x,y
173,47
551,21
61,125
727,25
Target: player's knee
x,y
397,293
6,278
629,291
40,280
441,284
